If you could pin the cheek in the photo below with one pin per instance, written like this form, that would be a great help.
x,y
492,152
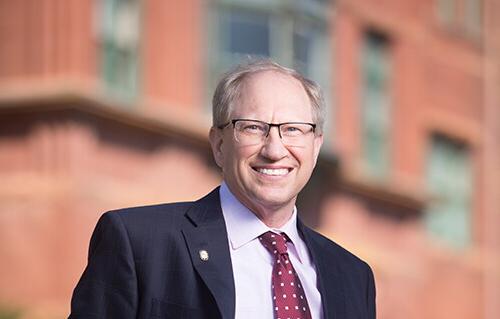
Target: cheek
x,y
227,150
245,154
235,158
305,158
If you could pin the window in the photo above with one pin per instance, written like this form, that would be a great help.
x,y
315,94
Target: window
x,y
473,17
294,33
303,41
247,33
446,11
375,104
118,22
449,178
462,16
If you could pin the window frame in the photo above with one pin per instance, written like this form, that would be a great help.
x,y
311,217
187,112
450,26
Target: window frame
x,y
284,15
128,88
439,214
376,104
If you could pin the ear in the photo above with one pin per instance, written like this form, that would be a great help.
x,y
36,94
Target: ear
x,y
318,142
216,140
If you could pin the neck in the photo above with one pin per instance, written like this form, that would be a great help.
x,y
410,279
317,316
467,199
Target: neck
x,y
274,216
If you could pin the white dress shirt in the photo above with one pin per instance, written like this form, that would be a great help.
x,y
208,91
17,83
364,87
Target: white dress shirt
x,y
253,264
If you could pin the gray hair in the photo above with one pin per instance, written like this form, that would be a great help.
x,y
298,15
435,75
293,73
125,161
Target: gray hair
x,y
229,88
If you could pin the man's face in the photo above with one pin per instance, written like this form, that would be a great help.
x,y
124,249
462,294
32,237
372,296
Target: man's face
x,y
269,175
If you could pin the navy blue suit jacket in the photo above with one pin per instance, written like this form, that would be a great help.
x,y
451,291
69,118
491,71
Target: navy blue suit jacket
x,y
144,262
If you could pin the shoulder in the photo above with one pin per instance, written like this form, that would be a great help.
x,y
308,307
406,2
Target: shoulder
x,y
146,219
142,230
168,212
154,212
159,219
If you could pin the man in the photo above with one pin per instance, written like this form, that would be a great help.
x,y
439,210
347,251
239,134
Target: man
x,y
241,251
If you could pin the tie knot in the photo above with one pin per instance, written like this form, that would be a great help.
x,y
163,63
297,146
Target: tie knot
x,y
274,243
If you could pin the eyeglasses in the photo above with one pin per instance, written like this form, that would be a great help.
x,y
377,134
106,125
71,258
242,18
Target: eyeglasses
x,y
252,132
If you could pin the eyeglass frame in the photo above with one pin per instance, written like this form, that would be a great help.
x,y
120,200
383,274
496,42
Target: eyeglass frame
x,y
270,125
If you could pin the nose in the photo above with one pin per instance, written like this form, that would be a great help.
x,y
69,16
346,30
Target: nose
x,y
273,147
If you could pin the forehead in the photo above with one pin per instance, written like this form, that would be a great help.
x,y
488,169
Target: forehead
x,y
271,79
272,94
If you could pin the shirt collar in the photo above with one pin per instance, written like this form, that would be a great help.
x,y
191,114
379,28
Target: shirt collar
x,y
244,226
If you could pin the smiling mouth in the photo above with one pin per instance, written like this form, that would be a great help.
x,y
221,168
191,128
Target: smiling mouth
x,y
272,171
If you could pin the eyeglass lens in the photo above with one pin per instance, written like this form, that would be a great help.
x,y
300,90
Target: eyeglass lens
x,y
250,132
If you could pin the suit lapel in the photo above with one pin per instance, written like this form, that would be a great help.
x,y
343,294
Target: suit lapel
x,y
208,246
330,278
207,232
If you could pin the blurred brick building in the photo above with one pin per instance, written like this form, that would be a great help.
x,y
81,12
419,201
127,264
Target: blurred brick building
x,y
106,103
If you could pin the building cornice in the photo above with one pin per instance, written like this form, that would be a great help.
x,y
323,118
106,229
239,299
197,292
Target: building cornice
x,y
79,101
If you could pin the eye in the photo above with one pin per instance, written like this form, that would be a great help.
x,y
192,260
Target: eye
x,y
293,129
253,128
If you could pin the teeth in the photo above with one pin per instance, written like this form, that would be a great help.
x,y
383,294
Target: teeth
x,y
274,172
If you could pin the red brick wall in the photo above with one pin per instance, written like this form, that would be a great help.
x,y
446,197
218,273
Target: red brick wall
x,y
59,173
173,68
46,40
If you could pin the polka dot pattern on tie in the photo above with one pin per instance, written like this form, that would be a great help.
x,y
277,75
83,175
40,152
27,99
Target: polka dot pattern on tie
x,y
288,295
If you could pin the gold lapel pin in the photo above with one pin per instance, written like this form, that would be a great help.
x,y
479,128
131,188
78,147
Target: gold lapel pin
x,y
203,255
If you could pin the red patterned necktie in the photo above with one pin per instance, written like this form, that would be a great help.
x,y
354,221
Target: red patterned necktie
x,y
288,294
